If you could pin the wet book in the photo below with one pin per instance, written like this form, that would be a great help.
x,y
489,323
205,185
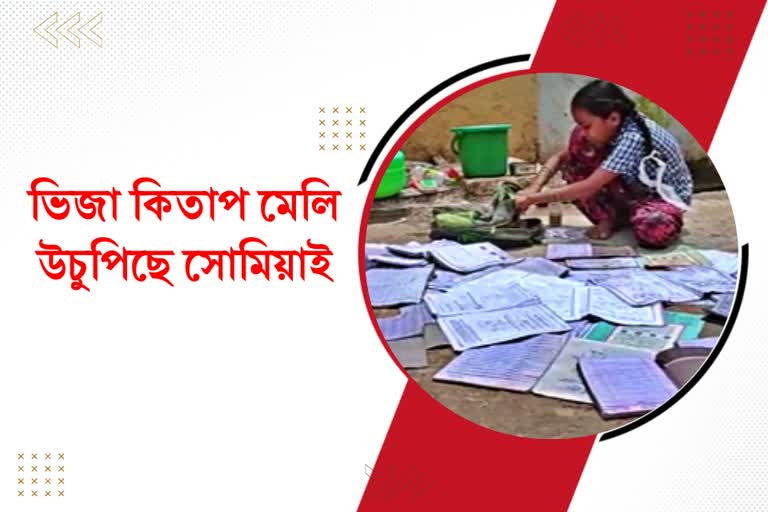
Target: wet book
x,y
632,386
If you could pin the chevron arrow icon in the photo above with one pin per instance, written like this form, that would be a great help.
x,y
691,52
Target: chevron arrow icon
x,y
50,29
70,24
42,29
87,30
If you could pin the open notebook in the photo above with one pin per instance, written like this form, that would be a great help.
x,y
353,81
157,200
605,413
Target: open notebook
x,y
633,386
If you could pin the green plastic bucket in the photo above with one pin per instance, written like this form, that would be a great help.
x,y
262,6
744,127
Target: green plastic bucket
x,y
482,149
395,178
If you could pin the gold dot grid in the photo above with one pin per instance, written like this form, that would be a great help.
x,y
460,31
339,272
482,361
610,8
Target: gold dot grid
x,y
40,474
709,32
341,128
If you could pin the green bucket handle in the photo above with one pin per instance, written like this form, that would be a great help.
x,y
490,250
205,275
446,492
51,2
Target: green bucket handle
x,y
455,142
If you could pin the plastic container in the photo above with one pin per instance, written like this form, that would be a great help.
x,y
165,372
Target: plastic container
x,y
395,178
555,215
483,149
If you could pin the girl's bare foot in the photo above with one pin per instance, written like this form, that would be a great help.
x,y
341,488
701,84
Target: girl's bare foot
x,y
600,231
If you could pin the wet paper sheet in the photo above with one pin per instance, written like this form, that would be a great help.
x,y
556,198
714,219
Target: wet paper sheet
x,y
420,310
643,288
410,352
565,234
409,323
626,386
670,259
601,303
602,263
613,251
562,379
396,261
463,279
699,342
481,329
434,336
558,295
477,297
471,257
374,250
593,275
653,339
579,328
511,366
722,307
444,280
393,287
417,249
541,266
565,251
701,280
725,262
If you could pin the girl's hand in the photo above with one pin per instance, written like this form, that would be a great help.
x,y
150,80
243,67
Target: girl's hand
x,y
524,200
529,190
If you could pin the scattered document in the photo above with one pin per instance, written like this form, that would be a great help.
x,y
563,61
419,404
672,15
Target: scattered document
x,y
477,297
626,386
705,303
612,251
701,279
409,323
511,366
418,250
699,342
594,275
558,295
643,288
670,259
410,352
443,280
725,262
601,303
393,287
599,331
506,276
692,324
481,329
397,261
654,339
471,257
434,336
562,379
565,251
723,303
579,328
474,276
565,234
376,250
401,326
602,263
542,266
420,310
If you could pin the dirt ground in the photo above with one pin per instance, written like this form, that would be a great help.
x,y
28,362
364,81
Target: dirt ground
x,y
709,225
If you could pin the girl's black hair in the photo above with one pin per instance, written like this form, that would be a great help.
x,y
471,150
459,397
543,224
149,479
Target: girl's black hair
x,y
601,98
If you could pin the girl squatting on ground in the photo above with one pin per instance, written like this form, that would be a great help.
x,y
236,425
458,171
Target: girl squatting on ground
x,y
621,169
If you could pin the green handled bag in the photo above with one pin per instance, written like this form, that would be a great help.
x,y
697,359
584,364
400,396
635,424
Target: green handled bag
x,y
501,227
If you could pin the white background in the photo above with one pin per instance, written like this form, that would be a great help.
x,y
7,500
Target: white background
x,y
274,396
207,396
